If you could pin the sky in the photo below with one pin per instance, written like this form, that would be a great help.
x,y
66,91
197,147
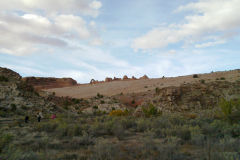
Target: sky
x,y
94,39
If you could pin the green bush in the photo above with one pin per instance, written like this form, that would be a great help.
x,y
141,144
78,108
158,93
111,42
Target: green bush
x,y
230,110
151,110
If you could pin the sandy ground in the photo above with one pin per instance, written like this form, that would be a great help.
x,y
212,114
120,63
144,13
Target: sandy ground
x,y
136,86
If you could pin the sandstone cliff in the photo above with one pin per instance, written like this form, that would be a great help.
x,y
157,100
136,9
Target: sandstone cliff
x,y
46,83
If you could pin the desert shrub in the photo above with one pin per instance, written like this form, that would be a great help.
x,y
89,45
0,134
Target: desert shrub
x,y
83,140
226,108
5,139
195,76
235,130
99,95
128,123
133,102
17,154
157,90
102,101
202,81
118,113
160,133
161,122
99,129
46,126
143,125
118,131
190,115
104,150
69,156
222,78
230,110
183,133
75,101
95,107
151,110
3,79
24,107
13,107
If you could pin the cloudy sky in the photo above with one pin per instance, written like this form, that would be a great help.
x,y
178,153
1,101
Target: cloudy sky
x,y
86,39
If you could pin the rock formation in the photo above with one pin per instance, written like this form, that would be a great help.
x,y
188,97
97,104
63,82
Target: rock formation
x,y
40,83
117,79
144,77
17,95
134,78
125,77
107,79
9,75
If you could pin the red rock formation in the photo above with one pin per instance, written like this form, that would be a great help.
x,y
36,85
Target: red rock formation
x,y
144,77
46,83
107,79
117,79
134,78
125,77
93,81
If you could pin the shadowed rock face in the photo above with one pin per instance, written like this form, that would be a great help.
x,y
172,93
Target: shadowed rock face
x,y
47,83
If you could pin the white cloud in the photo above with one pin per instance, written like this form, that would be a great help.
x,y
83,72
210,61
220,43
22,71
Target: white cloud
x,y
96,5
209,44
53,7
217,18
50,23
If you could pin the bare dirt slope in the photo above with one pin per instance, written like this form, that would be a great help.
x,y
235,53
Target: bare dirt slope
x,y
137,86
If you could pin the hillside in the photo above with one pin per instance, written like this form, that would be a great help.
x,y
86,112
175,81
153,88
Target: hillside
x,y
141,85
198,119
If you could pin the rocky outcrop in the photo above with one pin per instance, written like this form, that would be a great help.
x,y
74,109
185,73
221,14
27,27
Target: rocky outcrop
x,y
144,77
134,78
17,97
9,75
40,83
125,77
195,96
117,79
107,79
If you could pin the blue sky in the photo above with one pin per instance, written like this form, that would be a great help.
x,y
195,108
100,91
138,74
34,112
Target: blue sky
x,y
86,39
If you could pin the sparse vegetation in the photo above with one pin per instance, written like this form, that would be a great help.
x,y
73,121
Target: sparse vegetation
x,y
157,90
151,110
195,76
222,78
202,81
3,79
